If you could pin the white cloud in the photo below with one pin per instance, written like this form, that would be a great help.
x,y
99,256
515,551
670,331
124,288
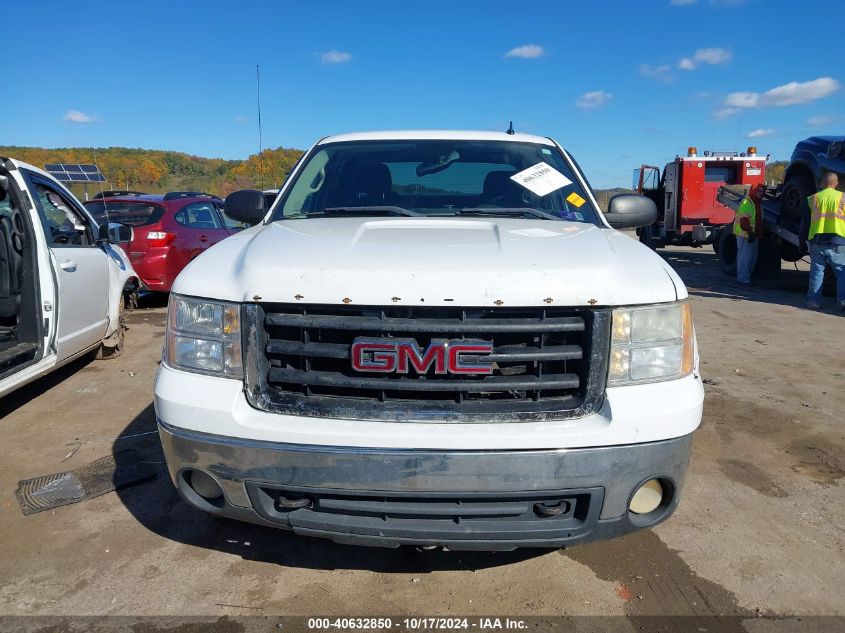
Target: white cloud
x,y
681,3
658,73
724,113
527,51
712,56
240,120
760,132
820,121
793,93
335,57
742,99
75,116
592,100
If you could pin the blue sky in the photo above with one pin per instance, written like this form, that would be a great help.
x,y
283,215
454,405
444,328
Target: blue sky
x,y
617,83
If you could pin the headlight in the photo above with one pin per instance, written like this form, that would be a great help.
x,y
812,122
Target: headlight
x,y
204,336
651,343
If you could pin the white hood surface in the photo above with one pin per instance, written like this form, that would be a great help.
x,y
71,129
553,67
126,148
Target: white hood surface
x,y
431,261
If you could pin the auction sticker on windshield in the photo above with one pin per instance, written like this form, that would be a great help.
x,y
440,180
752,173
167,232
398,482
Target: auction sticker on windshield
x,y
541,179
574,198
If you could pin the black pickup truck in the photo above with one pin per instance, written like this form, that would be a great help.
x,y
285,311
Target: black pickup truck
x,y
785,211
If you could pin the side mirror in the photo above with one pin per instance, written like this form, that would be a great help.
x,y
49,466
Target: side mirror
x,y
114,233
246,206
629,211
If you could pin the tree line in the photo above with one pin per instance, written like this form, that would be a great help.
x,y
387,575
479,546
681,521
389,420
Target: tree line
x,y
157,171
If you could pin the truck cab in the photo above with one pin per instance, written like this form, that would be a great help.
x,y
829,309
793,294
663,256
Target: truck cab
x,y
688,212
63,277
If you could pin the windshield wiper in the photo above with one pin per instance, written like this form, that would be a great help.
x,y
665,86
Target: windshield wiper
x,y
387,209
516,211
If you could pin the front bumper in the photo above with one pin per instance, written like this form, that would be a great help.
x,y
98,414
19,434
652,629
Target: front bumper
x,y
460,499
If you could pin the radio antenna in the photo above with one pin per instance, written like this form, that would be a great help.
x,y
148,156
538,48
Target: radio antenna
x,y
510,128
258,103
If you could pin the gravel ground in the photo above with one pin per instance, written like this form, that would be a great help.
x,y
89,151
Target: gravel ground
x,y
758,532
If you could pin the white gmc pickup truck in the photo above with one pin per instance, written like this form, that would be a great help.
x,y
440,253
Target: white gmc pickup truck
x,y
432,338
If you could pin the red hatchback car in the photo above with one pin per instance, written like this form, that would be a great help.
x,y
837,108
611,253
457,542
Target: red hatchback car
x,y
168,231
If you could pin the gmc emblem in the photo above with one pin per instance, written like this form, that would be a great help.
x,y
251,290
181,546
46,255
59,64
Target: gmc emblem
x,y
389,355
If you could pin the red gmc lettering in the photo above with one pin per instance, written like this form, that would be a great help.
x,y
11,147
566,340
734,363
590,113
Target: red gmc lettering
x,y
409,352
400,355
458,366
382,356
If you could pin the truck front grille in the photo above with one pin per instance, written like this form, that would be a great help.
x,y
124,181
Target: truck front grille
x,y
548,363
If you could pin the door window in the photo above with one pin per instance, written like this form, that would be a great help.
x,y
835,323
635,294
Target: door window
x,y
63,224
230,223
724,173
199,215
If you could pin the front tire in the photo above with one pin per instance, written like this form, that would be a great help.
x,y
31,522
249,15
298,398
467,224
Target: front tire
x,y
113,347
768,258
646,235
727,250
793,203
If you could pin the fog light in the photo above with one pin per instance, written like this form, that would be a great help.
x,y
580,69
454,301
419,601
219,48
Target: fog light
x,y
647,498
204,485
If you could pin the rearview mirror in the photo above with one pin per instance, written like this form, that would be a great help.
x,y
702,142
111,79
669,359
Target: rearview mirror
x,y
629,211
246,206
114,233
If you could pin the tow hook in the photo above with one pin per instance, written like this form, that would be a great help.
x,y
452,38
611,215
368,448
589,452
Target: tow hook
x,y
544,509
284,502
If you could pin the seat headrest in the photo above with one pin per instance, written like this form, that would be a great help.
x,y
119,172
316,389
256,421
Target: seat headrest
x,y
498,183
369,178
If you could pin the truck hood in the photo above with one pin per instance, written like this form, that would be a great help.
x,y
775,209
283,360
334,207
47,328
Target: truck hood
x,y
431,261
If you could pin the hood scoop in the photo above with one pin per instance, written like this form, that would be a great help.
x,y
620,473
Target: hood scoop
x,y
427,232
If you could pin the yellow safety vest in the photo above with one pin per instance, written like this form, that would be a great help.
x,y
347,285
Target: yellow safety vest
x,y
746,209
827,213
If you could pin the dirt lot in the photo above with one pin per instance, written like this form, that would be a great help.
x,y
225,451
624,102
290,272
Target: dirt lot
x,y
758,532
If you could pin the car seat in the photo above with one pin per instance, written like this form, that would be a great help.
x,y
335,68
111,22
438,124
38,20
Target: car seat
x,y
203,219
499,190
365,185
11,260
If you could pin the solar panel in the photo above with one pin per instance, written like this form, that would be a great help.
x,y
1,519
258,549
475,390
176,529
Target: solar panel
x,y
74,172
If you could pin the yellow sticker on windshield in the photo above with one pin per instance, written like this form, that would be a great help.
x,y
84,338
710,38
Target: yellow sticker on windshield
x,y
575,199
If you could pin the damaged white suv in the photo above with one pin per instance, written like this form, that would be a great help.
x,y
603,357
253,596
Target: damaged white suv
x,y
432,338
62,277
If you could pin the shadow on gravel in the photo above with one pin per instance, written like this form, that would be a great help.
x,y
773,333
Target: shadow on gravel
x,y
23,395
699,270
158,507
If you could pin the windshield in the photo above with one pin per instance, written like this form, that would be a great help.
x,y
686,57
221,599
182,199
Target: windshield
x,y
131,213
437,177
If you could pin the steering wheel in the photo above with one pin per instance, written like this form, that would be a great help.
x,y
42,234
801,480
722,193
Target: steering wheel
x,y
495,201
504,200
65,237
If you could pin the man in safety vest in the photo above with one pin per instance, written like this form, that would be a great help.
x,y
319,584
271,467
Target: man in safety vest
x,y
747,228
826,240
